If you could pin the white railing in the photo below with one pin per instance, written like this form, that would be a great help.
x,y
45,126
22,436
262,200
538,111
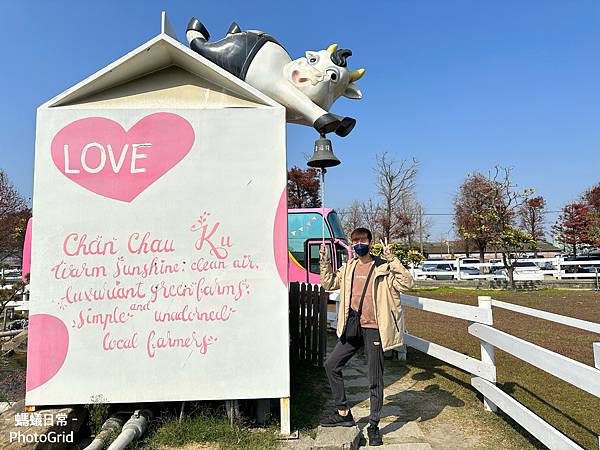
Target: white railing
x,y
556,267
480,325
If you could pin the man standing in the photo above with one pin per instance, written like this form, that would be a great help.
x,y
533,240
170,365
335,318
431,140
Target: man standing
x,y
370,286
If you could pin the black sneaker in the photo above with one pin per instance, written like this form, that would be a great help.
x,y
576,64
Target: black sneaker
x,y
337,420
374,436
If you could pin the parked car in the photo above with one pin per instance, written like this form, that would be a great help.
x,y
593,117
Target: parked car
x,y
583,268
524,271
439,271
466,272
469,261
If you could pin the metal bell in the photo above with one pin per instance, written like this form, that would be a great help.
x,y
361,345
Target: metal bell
x,y
323,156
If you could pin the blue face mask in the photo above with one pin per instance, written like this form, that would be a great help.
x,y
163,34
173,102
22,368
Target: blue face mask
x,y
361,249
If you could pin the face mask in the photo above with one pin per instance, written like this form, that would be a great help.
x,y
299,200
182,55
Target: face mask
x,y
361,249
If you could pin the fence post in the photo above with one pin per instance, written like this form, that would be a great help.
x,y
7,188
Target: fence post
x,y
558,258
322,326
302,304
487,350
458,269
597,364
401,352
294,320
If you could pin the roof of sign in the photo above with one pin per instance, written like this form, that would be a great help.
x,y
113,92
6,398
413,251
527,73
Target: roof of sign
x,y
162,68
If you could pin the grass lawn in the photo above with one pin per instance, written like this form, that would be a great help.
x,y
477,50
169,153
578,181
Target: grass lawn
x,y
569,409
210,428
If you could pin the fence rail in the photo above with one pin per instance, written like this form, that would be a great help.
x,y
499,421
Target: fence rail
x,y
570,321
480,320
538,427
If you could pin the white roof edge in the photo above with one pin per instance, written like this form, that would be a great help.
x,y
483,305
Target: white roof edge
x,y
177,46
166,27
100,72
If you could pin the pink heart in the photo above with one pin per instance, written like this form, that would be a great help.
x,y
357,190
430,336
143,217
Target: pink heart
x,y
99,155
47,346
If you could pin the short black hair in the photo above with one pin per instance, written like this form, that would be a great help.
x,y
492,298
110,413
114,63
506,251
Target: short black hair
x,y
361,230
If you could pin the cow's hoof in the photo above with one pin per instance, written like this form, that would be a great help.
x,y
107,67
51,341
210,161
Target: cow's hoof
x,y
326,124
195,25
346,126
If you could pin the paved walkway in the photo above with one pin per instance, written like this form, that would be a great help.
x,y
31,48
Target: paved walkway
x,y
417,414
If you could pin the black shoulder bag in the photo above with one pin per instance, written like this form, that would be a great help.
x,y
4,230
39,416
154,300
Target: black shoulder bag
x,y
353,330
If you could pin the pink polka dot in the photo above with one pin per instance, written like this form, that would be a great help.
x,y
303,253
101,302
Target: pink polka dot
x,y
47,346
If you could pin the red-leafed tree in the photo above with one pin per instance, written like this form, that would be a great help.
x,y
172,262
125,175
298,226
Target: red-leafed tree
x,y
591,197
473,208
531,217
573,226
485,210
303,188
14,214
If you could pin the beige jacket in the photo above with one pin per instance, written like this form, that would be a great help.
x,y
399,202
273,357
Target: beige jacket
x,y
389,278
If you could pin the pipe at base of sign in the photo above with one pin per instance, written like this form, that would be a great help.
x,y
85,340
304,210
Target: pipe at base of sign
x,y
112,424
133,429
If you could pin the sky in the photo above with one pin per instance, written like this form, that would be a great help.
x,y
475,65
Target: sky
x,y
462,86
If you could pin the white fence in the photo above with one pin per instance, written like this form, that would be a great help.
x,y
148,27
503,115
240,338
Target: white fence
x,y
545,268
480,325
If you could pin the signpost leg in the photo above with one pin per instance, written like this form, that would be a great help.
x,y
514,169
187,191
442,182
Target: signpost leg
x,y
232,407
286,426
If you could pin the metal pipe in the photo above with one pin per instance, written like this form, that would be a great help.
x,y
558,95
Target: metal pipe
x,y
11,332
133,429
112,424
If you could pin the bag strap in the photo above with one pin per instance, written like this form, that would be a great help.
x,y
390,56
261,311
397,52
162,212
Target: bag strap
x,y
362,297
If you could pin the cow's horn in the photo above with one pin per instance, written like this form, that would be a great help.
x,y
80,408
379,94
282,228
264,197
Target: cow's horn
x,y
332,48
356,75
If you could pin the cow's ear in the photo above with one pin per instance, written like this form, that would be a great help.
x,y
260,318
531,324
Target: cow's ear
x,y
352,92
308,54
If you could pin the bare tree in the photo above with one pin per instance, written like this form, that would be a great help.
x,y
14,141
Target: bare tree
x,y
412,226
395,184
353,217
371,216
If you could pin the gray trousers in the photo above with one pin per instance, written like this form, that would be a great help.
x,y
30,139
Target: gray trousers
x,y
341,354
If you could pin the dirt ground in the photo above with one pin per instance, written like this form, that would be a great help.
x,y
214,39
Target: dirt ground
x,y
569,409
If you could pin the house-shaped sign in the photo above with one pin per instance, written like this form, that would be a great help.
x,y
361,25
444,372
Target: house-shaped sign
x,y
159,252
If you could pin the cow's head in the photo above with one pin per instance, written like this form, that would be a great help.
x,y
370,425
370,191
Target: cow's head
x,y
323,76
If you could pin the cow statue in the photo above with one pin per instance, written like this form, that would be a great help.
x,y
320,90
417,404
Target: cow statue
x,y
306,86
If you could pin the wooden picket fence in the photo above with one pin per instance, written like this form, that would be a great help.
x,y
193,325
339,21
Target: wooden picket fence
x,y
308,323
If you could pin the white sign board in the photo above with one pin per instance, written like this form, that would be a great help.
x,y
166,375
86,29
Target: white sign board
x,y
159,256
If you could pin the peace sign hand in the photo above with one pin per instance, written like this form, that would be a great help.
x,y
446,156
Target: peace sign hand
x,y
387,249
